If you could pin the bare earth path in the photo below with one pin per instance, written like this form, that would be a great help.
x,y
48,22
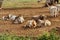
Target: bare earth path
x,y
6,26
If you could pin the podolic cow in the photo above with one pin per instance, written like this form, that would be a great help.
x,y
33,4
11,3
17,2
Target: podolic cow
x,y
31,24
19,19
41,17
16,19
48,3
53,11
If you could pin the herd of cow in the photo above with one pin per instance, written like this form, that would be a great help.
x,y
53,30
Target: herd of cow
x,y
37,20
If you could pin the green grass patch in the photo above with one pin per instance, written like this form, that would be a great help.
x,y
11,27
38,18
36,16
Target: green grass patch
x,y
45,36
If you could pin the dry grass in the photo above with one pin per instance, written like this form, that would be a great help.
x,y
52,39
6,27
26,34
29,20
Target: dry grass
x,y
21,3
17,29
6,26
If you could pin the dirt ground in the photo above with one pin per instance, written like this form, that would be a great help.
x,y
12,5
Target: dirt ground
x,y
17,29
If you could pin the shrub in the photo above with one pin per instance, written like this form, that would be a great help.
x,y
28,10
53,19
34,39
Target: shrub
x,y
51,36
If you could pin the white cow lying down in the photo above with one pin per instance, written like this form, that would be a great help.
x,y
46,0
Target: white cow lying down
x,y
10,16
31,23
53,11
15,19
44,22
19,20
